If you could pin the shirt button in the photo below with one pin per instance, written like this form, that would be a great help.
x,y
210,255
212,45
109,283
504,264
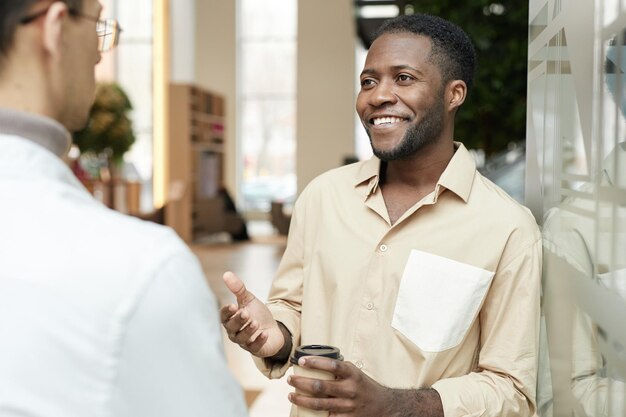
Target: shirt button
x,y
370,306
359,364
383,248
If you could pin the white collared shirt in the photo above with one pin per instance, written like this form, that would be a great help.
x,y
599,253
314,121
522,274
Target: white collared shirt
x,y
101,314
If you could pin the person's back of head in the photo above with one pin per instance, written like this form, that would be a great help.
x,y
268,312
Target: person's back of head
x,y
48,52
452,50
13,13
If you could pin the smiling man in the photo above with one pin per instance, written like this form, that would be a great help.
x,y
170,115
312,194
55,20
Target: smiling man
x,y
424,273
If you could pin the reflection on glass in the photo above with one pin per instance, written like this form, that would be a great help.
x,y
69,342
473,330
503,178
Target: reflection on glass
x,y
582,360
539,23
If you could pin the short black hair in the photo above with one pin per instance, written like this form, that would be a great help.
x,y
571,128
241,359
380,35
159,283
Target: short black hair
x,y
12,12
452,49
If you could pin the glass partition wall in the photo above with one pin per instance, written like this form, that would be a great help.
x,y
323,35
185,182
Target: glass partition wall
x,y
576,187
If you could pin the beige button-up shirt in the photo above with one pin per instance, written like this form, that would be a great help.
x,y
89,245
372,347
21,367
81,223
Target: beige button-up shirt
x,y
447,297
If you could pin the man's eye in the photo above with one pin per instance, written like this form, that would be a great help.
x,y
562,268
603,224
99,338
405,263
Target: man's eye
x,y
404,77
367,82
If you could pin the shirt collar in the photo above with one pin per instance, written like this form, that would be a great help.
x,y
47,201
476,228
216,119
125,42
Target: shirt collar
x,y
458,176
41,130
369,171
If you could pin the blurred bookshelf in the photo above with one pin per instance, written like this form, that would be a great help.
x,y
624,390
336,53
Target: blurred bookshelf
x,y
195,205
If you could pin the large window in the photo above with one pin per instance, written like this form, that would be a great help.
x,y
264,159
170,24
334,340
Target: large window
x,y
267,101
130,65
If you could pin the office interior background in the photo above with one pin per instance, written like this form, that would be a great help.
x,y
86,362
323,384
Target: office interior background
x,y
238,104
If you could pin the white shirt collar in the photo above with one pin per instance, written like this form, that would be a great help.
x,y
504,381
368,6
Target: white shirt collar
x,y
39,129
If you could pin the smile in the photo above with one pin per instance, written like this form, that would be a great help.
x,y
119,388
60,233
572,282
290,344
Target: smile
x,y
386,120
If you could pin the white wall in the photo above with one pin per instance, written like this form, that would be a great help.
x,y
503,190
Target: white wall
x,y
183,41
325,115
215,68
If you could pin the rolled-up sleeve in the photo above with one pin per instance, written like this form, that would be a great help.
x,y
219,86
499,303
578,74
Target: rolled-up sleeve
x,y
504,383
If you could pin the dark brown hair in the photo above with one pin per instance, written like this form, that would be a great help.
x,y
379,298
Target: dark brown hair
x,y
13,11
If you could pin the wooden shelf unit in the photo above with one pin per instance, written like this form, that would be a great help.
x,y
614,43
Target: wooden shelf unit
x,y
195,161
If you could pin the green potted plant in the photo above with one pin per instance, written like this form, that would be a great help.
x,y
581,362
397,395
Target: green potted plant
x,y
107,136
109,129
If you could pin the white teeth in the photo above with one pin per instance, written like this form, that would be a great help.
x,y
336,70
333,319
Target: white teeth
x,y
386,120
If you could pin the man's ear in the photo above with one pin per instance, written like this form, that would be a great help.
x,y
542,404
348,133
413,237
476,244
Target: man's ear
x,y
455,94
52,30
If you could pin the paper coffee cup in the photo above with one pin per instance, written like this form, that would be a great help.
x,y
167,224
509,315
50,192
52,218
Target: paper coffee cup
x,y
313,350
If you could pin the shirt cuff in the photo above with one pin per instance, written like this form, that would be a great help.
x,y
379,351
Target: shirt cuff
x,y
450,391
275,370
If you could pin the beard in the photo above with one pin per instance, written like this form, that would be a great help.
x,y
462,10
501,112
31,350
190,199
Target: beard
x,y
416,137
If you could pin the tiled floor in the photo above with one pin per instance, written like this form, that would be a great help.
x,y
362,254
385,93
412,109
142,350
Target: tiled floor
x,y
255,263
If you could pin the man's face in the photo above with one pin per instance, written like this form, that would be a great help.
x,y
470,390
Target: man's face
x,y
80,55
401,99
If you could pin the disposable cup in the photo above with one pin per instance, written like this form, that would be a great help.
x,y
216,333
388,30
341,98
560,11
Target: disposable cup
x,y
313,350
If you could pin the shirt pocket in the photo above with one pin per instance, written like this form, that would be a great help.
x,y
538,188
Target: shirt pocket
x,y
438,300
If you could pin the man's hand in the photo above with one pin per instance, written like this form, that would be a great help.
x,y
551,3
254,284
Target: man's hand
x,y
250,323
353,393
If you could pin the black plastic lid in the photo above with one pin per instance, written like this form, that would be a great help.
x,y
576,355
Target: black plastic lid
x,y
316,350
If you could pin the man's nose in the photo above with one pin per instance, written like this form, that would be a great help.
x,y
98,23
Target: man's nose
x,y
384,93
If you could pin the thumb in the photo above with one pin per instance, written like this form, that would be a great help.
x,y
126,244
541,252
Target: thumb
x,y
237,287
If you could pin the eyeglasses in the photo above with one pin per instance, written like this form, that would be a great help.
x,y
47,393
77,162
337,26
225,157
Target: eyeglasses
x,y
108,30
